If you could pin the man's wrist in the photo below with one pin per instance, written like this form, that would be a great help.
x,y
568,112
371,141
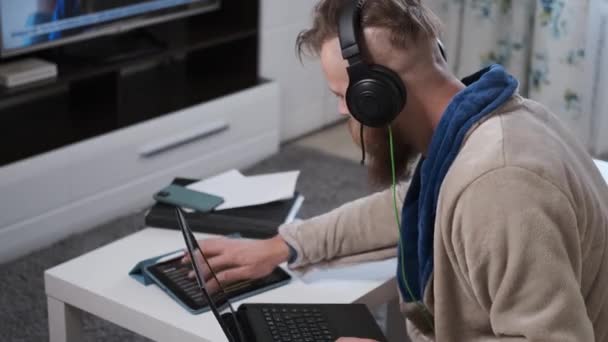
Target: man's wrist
x,y
282,249
293,254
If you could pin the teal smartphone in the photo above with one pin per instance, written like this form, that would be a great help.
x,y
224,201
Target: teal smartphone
x,y
183,197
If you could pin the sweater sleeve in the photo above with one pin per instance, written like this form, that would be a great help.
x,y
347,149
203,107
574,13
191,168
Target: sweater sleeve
x,y
364,225
518,246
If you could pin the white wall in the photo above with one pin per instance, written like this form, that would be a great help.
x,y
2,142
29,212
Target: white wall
x,y
306,102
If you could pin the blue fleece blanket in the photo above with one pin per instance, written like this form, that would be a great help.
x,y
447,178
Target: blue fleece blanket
x,y
486,90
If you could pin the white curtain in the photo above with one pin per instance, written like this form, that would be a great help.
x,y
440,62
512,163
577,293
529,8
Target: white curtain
x,y
597,50
542,42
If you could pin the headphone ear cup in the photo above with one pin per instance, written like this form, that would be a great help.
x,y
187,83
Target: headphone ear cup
x,y
396,89
375,100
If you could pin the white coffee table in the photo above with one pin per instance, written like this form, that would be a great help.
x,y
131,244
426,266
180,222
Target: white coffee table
x,y
98,283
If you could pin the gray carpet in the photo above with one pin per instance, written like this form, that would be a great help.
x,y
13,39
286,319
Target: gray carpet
x,y
326,182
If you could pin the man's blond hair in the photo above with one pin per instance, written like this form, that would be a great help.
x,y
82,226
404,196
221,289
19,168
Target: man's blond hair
x,y
406,20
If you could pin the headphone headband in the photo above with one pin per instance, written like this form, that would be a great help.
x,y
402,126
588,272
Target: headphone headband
x,y
349,27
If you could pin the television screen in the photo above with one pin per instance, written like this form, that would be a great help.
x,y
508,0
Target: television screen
x,y
33,24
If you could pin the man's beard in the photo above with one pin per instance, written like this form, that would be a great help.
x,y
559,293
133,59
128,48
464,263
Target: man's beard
x,y
377,148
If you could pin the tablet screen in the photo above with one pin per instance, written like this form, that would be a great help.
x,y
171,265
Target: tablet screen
x,y
174,276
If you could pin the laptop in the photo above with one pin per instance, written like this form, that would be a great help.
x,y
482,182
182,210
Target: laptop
x,y
276,322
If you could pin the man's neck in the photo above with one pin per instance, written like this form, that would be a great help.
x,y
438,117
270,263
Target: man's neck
x,y
432,108
443,95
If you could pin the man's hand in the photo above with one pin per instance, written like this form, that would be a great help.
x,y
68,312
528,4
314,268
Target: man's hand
x,y
354,339
235,260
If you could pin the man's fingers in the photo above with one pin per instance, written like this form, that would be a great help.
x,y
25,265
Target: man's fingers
x,y
217,263
212,287
217,254
229,277
186,257
233,275
220,263
213,247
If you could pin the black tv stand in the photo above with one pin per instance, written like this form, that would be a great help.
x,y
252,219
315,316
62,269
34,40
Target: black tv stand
x,y
120,48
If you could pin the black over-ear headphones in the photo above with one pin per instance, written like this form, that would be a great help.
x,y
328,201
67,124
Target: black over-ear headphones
x,y
375,94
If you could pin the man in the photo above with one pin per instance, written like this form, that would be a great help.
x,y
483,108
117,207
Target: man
x,y
504,231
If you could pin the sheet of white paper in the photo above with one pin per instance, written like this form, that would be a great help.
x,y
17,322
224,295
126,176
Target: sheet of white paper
x,y
371,271
216,184
240,191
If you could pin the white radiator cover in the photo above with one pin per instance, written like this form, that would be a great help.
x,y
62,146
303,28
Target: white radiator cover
x,y
48,197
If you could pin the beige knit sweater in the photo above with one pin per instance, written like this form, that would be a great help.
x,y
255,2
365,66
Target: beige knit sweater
x,y
520,245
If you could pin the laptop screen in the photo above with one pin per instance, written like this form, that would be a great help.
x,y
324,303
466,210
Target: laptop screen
x,y
210,287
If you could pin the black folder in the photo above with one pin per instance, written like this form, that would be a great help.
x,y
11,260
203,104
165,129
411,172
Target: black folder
x,y
260,221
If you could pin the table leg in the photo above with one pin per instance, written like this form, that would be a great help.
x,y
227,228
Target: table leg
x,y
395,323
65,323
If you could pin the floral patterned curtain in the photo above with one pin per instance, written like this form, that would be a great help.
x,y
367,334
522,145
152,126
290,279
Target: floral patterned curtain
x,y
541,42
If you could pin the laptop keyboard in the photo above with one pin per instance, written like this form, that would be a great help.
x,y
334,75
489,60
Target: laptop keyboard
x,y
300,324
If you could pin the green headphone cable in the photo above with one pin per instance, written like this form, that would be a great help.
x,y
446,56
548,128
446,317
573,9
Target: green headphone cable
x,y
362,146
425,311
